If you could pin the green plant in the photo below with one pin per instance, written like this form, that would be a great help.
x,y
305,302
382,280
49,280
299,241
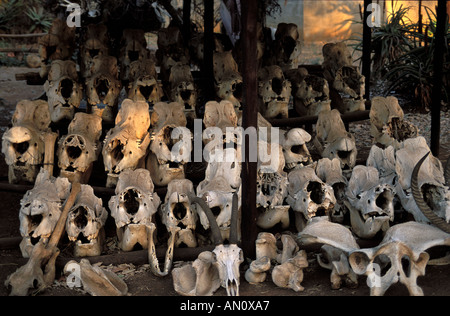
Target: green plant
x,y
10,10
414,68
40,20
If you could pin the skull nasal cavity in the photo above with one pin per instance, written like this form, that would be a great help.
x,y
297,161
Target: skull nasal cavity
x,y
21,148
131,202
382,200
66,88
277,85
317,196
179,211
81,218
73,152
146,91
102,88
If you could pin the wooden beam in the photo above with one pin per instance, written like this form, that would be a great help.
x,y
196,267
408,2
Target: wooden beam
x,y
208,49
438,59
186,21
249,120
22,35
367,49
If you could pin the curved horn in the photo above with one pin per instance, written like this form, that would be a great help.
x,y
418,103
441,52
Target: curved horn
x,y
234,220
423,206
217,236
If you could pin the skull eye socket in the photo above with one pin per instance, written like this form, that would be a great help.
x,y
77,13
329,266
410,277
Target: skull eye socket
x,y
383,200
179,211
133,55
216,210
21,148
317,195
298,149
131,202
146,91
81,217
382,265
35,219
406,265
277,85
66,88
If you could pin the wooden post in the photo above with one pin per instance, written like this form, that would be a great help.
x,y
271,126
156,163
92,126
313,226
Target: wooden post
x,y
438,59
186,21
367,50
249,119
208,51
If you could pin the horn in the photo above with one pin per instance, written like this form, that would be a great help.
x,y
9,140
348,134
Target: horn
x,y
234,221
423,206
217,236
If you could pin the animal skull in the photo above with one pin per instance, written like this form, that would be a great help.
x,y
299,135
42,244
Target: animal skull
x,y
343,77
222,180
370,202
84,224
63,90
95,43
430,181
333,141
178,211
311,93
171,143
309,196
78,150
227,79
296,153
182,87
103,87
330,172
274,92
40,209
286,50
134,47
144,84
388,126
133,207
58,44
125,145
23,144
271,187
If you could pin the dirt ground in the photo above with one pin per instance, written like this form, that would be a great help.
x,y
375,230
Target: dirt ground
x,y
140,281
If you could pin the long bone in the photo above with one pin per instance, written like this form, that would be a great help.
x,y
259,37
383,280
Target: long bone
x,y
40,268
227,257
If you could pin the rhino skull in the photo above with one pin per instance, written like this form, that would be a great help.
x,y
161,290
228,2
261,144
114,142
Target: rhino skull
x,y
78,150
296,153
274,92
134,47
330,172
23,144
388,126
182,86
370,203
133,207
40,209
171,143
63,90
311,93
177,211
95,43
333,141
309,196
271,187
144,84
125,145
103,87
286,46
84,224
228,80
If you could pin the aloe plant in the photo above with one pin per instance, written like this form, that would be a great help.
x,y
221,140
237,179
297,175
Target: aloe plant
x,y
40,20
